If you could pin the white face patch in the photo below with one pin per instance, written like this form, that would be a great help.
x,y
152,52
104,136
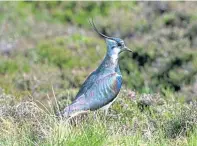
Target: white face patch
x,y
113,49
114,54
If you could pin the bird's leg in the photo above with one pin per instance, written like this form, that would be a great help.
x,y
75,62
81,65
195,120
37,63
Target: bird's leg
x,y
106,108
106,111
95,115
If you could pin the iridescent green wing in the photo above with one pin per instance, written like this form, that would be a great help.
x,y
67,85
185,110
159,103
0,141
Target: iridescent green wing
x,y
87,84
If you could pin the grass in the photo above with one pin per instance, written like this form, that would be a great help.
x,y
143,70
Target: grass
x,y
170,123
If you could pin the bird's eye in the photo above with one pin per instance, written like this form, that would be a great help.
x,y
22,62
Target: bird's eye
x,y
119,44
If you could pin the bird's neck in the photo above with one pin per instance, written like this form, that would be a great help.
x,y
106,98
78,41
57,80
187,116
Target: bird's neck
x,y
110,62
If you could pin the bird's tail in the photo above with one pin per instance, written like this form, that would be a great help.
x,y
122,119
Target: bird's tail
x,y
72,110
65,113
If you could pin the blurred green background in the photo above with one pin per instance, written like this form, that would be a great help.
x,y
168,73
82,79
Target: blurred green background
x,y
45,44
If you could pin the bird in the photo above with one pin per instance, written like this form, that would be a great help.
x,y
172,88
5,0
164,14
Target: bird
x,y
102,86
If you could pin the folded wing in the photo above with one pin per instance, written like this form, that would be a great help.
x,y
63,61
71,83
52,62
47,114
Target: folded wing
x,y
97,94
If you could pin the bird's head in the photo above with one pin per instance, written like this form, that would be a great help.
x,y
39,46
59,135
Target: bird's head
x,y
114,45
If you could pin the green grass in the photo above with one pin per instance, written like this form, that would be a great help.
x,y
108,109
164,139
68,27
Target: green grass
x,y
172,123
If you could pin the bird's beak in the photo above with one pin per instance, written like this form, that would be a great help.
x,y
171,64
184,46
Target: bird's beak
x,y
127,49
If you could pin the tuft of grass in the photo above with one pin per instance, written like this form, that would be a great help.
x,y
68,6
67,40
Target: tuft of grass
x,y
182,124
